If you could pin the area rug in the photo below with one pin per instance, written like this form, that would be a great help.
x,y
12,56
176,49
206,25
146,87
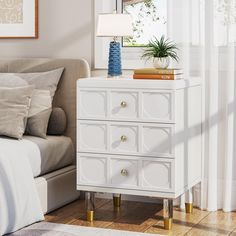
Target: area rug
x,y
51,229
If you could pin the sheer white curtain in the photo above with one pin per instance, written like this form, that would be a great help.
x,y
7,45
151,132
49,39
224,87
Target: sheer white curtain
x,y
205,31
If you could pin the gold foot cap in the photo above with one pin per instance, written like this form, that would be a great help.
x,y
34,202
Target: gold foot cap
x,y
189,208
168,223
90,216
117,202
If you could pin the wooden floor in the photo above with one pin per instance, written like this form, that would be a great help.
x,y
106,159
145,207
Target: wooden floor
x,y
146,217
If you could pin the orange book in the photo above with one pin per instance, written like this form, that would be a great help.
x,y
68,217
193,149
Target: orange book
x,y
160,77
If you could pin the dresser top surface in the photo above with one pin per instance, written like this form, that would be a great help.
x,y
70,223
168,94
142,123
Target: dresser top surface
x,y
102,82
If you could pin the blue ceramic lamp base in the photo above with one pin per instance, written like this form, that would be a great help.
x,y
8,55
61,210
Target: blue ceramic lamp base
x,y
114,67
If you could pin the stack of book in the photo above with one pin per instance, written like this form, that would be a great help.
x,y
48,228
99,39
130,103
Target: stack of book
x,y
161,74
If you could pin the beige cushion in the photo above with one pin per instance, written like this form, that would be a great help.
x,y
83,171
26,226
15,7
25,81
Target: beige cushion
x,y
11,81
57,122
45,84
14,108
43,80
37,125
39,113
41,101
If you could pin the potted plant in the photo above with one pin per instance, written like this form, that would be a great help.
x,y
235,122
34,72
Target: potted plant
x,y
161,51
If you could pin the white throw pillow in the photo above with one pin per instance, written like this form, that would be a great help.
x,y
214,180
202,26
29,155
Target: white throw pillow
x,y
40,80
39,113
14,109
41,101
11,81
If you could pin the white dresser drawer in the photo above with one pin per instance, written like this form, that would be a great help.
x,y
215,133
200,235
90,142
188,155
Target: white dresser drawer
x,y
126,138
125,105
157,174
92,170
131,172
92,136
158,106
92,104
124,172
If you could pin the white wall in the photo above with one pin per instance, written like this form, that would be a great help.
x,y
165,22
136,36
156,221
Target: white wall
x,y
65,31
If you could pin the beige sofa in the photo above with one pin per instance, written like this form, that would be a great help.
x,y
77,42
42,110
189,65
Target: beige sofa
x,y
59,187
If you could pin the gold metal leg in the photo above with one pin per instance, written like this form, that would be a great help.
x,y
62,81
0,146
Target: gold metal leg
x,y
168,213
189,208
117,200
90,216
189,202
90,205
168,223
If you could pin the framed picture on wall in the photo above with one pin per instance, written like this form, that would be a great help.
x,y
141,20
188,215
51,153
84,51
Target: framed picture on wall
x,y
18,18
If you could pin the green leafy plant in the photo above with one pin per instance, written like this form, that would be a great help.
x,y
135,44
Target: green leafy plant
x,y
141,11
160,48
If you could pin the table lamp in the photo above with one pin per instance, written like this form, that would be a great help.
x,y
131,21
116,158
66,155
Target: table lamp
x,y
114,25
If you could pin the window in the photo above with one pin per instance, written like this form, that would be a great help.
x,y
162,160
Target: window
x,y
224,22
149,19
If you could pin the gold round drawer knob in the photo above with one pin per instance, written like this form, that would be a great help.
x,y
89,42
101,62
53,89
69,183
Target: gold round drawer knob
x,y
124,172
123,138
123,104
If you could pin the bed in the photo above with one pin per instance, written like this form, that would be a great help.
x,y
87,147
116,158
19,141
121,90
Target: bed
x,y
55,172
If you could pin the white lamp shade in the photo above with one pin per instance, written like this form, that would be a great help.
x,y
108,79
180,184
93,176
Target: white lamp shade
x,y
114,25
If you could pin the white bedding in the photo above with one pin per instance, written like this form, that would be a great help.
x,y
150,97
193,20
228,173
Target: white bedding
x,y
19,201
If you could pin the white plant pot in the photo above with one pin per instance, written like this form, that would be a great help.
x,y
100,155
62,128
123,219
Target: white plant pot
x,y
161,62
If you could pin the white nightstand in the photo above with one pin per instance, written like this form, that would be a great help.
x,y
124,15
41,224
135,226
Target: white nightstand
x,y
139,137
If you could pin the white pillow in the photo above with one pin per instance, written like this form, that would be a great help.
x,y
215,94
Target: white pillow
x,y
39,113
40,80
14,108
45,84
41,101
11,81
